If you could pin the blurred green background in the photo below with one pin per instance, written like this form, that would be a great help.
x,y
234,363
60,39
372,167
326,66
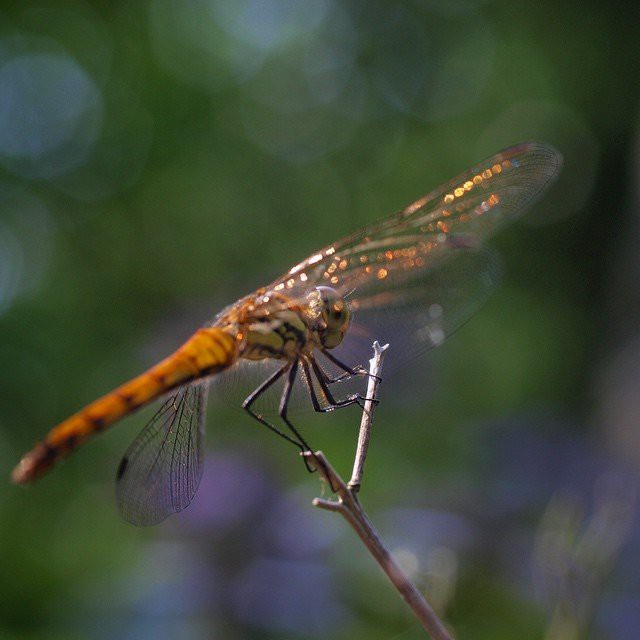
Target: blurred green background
x,y
158,159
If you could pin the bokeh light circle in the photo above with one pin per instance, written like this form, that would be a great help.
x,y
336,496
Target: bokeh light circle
x,y
50,114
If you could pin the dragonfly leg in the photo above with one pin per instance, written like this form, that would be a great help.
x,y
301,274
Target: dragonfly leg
x,y
320,377
343,376
356,398
312,392
350,372
284,405
254,395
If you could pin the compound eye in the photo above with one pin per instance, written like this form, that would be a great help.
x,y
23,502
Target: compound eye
x,y
336,313
331,311
337,310
331,307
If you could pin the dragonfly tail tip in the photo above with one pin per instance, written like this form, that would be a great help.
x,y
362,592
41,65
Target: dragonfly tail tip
x,y
19,475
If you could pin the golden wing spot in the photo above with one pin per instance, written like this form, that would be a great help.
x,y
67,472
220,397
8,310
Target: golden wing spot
x,y
487,173
449,198
477,179
458,192
414,206
382,274
496,168
296,268
468,185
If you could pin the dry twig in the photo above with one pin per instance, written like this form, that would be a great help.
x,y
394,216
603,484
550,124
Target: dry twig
x,y
350,508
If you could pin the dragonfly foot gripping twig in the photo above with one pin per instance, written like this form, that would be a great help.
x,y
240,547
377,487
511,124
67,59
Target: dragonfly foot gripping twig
x,y
348,505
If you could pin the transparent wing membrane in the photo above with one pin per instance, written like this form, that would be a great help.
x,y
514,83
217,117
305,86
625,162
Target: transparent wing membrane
x,y
419,310
162,468
413,278
460,214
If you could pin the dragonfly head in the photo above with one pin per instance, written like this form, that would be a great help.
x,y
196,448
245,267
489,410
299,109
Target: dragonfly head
x,y
331,315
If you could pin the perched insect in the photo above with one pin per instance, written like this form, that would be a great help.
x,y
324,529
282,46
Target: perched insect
x,y
409,279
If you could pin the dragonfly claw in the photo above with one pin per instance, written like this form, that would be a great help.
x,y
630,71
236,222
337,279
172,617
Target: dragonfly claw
x,y
361,400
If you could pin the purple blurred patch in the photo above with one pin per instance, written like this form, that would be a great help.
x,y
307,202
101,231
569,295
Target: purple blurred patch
x,y
171,579
284,596
421,530
232,491
620,618
293,528
530,457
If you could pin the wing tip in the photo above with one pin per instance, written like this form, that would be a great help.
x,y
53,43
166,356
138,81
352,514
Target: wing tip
x,y
544,150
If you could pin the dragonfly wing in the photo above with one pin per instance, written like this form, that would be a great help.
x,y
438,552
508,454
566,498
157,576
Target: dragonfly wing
x,y
462,212
419,308
415,276
162,468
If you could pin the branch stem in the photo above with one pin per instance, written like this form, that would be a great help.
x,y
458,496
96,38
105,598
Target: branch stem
x,y
366,423
348,505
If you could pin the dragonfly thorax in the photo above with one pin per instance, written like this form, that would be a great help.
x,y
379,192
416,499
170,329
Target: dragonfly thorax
x,y
329,314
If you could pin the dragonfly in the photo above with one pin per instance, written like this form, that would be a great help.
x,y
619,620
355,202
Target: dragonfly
x,y
411,279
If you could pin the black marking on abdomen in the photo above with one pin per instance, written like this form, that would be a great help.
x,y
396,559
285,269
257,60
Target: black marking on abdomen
x,y
98,423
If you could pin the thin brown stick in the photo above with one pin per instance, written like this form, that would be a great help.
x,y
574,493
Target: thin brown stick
x,y
348,505
366,424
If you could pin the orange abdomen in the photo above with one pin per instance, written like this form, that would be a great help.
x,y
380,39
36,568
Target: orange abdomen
x,y
208,351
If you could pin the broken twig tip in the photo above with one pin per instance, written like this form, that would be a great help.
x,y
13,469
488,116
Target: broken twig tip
x,y
378,349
